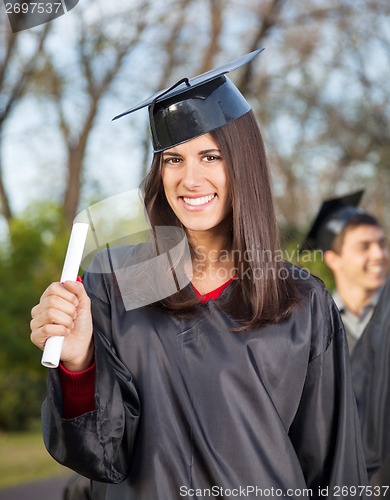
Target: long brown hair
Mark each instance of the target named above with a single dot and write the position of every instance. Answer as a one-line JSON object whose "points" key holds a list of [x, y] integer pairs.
{"points": [[265, 290]]}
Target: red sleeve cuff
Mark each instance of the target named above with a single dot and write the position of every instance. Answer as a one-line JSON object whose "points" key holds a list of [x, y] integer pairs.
{"points": [[78, 390]]}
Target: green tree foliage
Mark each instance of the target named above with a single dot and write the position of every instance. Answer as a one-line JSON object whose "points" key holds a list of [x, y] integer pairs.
{"points": [[312, 262], [30, 259]]}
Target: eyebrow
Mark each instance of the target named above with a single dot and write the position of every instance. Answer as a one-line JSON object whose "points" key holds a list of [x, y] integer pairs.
{"points": [[166, 153], [203, 152], [206, 151]]}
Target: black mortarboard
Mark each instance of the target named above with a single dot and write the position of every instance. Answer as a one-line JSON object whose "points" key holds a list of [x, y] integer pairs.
{"points": [[196, 106], [331, 219]]}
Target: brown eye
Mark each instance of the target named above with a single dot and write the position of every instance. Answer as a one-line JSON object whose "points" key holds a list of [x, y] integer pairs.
{"points": [[211, 158], [171, 160]]}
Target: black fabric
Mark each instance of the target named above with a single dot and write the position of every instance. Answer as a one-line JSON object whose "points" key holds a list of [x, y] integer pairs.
{"points": [[197, 112], [331, 219], [370, 362], [185, 405], [195, 106]]}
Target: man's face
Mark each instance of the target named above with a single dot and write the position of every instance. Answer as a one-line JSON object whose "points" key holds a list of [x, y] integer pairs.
{"points": [[363, 258]]}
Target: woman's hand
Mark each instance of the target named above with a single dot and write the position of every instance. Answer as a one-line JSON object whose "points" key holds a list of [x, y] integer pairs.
{"points": [[65, 310]]}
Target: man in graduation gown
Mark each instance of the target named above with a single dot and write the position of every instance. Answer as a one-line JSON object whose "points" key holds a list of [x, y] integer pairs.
{"points": [[370, 362], [355, 250]]}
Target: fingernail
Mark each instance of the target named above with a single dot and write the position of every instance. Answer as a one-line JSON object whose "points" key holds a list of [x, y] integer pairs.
{"points": [[79, 279]]}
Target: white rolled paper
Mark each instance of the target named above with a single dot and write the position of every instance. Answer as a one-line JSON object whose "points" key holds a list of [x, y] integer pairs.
{"points": [[52, 352]]}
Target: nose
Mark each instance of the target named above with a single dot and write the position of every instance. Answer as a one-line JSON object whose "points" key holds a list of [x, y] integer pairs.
{"points": [[192, 175]]}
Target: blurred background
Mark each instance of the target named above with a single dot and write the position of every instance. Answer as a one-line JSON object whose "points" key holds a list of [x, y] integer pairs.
{"points": [[320, 91]]}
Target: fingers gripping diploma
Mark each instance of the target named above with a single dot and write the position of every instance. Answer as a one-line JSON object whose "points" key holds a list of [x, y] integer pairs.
{"points": [[64, 312]]}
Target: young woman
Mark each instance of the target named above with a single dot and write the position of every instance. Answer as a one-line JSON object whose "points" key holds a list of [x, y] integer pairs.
{"points": [[238, 384]]}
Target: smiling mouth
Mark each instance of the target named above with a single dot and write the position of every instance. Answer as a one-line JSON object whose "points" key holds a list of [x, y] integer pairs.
{"points": [[376, 269], [196, 202]]}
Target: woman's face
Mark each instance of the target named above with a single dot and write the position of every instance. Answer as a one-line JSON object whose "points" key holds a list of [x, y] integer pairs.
{"points": [[196, 184]]}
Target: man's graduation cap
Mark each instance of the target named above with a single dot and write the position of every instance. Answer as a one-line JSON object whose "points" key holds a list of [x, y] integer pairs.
{"points": [[196, 106], [331, 219]]}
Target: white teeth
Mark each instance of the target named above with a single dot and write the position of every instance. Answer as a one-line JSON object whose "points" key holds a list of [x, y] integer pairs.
{"points": [[198, 201], [376, 269]]}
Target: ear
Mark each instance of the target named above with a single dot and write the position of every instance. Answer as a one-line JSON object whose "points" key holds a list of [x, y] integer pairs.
{"points": [[331, 259]]}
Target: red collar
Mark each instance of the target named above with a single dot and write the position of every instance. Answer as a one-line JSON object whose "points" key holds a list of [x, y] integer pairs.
{"points": [[214, 294]]}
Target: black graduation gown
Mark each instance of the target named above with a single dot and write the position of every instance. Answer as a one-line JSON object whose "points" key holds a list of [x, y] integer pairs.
{"points": [[370, 362], [185, 408]]}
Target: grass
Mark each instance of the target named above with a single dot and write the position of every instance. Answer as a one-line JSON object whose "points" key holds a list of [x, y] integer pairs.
{"points": [[23, 458]]}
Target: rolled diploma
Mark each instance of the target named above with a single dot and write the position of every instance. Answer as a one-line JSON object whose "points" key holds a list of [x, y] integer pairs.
{"points": [[52, 352]]}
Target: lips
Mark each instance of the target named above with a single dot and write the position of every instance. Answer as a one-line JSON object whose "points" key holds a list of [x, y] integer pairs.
{"points": [[201, 200], [376, 270]]}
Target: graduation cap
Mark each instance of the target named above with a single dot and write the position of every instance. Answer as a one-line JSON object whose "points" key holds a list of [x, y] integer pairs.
{"points": [[196, 106], [331, 219]]}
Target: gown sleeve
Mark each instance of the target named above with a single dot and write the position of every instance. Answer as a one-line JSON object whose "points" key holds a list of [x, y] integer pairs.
{"points": [[325, 431], [97, 444], [370, 362]]}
